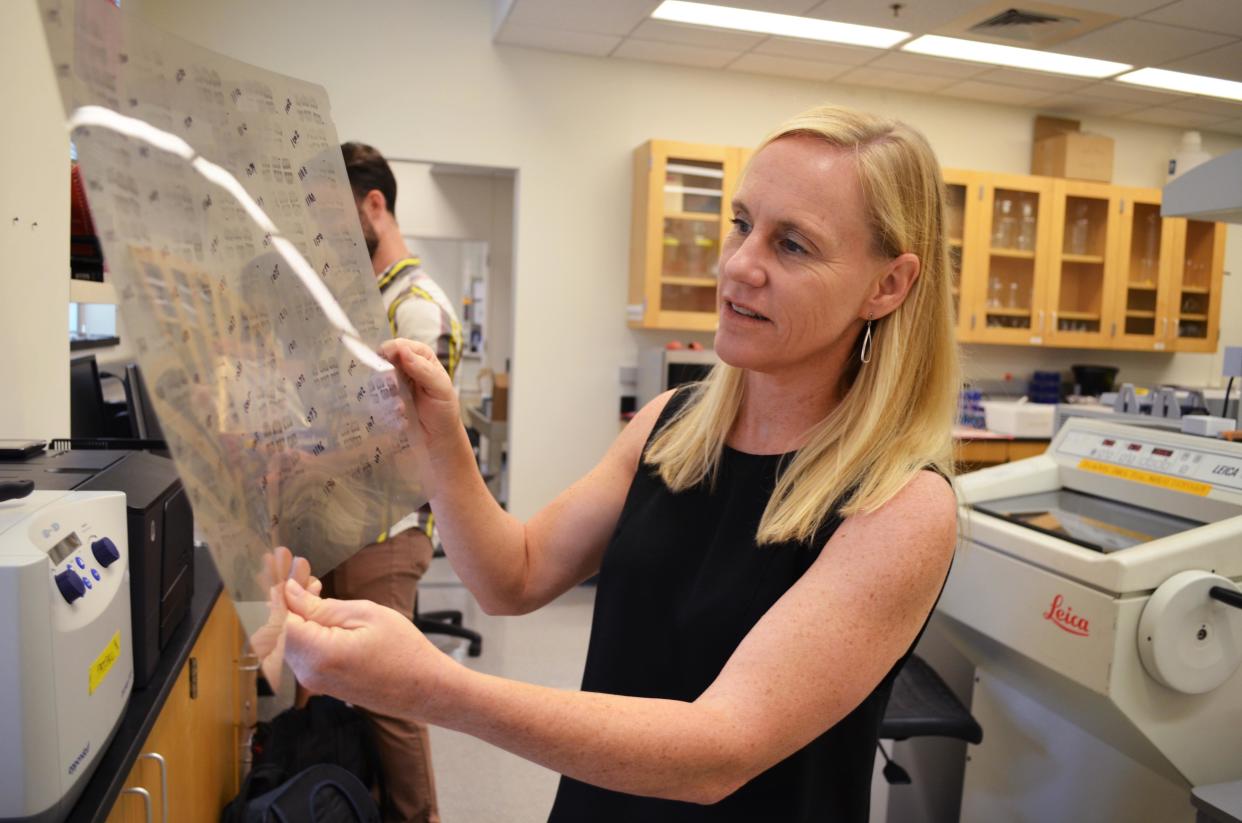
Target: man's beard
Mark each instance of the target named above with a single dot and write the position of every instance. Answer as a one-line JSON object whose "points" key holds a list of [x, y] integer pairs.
{"points": [[368, 234]]}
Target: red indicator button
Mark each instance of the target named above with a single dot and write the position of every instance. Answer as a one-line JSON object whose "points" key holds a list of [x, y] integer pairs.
{"points": [[1135, 447], [1162, 452], [1110, 442]]}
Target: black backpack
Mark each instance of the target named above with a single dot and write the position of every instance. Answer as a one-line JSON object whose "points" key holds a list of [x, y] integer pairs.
{"points": [[320, 794], [325, 732]]}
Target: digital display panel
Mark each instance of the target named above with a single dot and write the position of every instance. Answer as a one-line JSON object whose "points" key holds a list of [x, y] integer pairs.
{"points": [[64, 548]]}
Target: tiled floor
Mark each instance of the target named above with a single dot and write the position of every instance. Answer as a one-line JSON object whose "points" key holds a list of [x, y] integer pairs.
{"points": [[476, 782]]}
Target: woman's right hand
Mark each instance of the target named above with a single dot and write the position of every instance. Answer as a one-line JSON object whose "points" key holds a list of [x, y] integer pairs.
{"points": [[435, 401]]}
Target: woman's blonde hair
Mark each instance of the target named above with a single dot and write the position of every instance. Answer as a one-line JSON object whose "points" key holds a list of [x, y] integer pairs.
{"points": [[896, 413]]}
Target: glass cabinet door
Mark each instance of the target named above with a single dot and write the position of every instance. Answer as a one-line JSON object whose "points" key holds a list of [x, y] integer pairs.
{"points": [[1082, 263], [961, 218], [693, 192], [1146, 240], [1195, 303], [1015, 230]]}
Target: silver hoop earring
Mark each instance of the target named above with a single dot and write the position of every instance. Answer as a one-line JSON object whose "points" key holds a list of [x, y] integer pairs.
{"points": [[866, 344]]}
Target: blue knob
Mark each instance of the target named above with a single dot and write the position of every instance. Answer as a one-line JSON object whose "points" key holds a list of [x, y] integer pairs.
{"points": [[105, 551], [70, 585]]}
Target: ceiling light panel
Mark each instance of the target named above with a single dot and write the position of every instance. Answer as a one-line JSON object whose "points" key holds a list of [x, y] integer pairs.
{"points": [[1185, 83], [782, 25], [1013, 57]]}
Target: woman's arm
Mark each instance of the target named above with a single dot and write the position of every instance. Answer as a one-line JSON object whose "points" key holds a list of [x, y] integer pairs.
{"points": [[509, 566], [817, 653]]}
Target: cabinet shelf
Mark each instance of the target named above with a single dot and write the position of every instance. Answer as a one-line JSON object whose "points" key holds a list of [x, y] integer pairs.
{"points": [[1195, 290], [1093, 259], [706, 282], [999, 312], [1078, 315], [1132, 313], [701, 217], [1185, 316], [955, 242], [1017, 254], [1142, 285]]}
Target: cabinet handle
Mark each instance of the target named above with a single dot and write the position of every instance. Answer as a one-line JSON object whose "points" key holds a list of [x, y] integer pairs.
{"points": [[146, 798], [159, 758], [1164, 327], [1041, 321], [1113, 333]]}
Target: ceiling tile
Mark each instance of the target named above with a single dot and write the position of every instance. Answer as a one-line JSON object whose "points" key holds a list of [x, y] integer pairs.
{"points": [[696, 35], [788, 66], [1209, 105], [674, 53], [812, 50], [1142, 44], [1121, 8], [1127, 93], [1224, 62], [576, 42], [917, 18], [617, 17], [903, 81], [795, 7], [920, 64], [1033, 80], [1229, 126], [994, 93], [1206, 15], [1175, 117], [1081, 104]]}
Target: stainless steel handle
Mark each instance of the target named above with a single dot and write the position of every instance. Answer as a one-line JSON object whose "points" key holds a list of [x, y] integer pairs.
{"points": [[1164, 327], [159, 758], [1041, 321], [146, 798]]}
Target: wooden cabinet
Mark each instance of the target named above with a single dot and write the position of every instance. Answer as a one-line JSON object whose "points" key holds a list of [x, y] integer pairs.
{"points": [[1036, 261], [190, 761], [1051, 262], [681, 214]]}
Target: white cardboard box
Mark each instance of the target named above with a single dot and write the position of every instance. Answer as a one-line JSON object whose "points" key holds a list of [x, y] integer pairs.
{"points": [[1019, 419]]}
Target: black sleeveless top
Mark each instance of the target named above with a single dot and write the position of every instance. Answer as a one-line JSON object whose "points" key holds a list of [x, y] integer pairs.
{"points": [[681, 583]]}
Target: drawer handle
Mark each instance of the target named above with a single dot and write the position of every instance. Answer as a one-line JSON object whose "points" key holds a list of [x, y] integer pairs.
{"points": [[146, 798], [159, 758]]}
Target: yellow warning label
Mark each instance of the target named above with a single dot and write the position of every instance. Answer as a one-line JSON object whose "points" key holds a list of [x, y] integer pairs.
{"points": [[1164, 481], [103, 663]]}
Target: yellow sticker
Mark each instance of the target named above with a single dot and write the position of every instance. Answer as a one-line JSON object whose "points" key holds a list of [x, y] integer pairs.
{"points": [[103, 663], [1164, 481]]}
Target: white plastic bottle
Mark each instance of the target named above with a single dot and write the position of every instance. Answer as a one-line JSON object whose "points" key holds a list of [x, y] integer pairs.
{"points": [[1189, 154]]}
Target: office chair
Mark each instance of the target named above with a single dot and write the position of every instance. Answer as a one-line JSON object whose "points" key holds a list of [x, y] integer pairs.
{"points": [[90, 416], [923, 705], [447, 622]]}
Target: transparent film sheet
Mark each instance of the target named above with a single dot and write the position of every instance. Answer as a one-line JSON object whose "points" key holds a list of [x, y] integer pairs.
{"points": [[219, 195]]}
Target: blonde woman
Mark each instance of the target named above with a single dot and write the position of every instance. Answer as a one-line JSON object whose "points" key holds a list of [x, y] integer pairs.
{"points": [[770, 543]]}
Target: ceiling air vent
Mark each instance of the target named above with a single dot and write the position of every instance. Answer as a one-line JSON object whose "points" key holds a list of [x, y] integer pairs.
{"points": [[1033, 24]]}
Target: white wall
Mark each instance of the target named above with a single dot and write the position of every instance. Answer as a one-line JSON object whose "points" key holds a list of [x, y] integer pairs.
{"points": [[34, 234], [422, 79]]}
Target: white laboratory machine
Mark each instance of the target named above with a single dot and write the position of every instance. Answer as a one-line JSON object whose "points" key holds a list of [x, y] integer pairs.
{"points": [[1092, 594], [66, 664]]}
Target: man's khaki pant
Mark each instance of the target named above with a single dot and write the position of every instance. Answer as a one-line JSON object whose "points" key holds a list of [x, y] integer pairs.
{"points": [[388, 573]]}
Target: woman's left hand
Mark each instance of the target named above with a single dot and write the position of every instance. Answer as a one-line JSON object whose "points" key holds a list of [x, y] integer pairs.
{"points": [[364, 654]]}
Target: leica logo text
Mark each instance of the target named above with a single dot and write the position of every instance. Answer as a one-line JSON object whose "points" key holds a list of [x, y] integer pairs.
{"points": [[1064, 618]]}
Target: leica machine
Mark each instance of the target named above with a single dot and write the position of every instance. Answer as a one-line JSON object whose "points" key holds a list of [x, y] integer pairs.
{"points": [[1096, 592]]}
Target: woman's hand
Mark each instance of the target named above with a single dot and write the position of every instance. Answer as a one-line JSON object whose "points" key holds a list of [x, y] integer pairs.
{"points": [[365, 654], [268, 642], [435, 401]]}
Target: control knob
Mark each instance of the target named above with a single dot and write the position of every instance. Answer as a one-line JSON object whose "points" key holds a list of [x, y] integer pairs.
{"points": [[105, 551], [70, 585]]}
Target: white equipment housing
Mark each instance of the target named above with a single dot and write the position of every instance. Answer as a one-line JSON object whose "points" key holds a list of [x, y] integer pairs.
{"points": [[65, 643], [1107, 679]]}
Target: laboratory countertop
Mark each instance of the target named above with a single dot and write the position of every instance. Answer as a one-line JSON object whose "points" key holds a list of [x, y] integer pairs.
{"points": [[145, 704]]}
